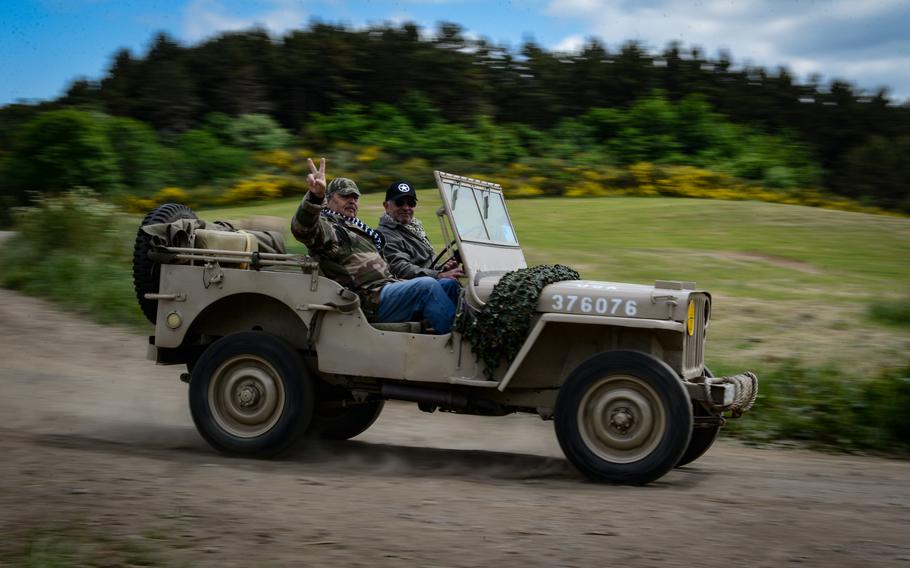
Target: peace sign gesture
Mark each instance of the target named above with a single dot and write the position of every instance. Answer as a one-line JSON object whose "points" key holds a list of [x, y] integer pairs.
{"points": [[316, 179]]}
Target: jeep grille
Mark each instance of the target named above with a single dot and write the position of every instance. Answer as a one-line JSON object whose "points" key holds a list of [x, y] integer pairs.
{"points": [[695, 343]]}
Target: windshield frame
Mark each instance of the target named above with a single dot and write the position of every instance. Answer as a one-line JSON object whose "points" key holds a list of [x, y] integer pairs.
{"points": [[476, 188], [485, 260]]}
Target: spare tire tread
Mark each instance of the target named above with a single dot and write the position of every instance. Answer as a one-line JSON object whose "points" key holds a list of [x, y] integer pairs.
{"points": [[146, 272]]}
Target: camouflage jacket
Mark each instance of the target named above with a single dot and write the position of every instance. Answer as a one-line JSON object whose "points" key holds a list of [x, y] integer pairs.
{"points": [[345, 253], [408, 255]]}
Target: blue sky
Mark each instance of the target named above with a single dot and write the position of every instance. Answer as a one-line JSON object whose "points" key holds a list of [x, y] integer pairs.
{"points": [[45, 44]]}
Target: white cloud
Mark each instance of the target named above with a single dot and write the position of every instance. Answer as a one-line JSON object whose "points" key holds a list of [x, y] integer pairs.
{"points": [[570, 44], [864, 9], [574, 7], [861, 41], [203, 18]]}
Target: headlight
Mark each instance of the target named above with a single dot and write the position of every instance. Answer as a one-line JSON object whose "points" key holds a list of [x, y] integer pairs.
{"points": [[690, 318]]}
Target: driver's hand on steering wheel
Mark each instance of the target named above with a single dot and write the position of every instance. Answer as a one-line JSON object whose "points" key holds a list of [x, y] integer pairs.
{"points": [[454, 273], [449, 265]]}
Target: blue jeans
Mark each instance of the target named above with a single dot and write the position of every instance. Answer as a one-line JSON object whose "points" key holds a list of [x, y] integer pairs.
{"points": [[420, 298]]}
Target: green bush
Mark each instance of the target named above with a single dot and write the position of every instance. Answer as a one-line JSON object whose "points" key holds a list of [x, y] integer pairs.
{"points": [[826, 408], [75, 250], [257, 132], [61, 149], [143, 163], [75, 221], [891, 312], [204, 159]]}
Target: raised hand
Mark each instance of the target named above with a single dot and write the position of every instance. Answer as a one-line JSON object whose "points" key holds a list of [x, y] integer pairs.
{"points": [[316, 177]]}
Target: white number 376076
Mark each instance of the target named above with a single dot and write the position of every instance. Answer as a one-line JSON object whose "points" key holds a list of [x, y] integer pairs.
{"points": [[589, 305]]}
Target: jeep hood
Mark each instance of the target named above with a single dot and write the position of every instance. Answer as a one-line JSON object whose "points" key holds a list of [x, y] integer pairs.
{"points": [[666, 300]]}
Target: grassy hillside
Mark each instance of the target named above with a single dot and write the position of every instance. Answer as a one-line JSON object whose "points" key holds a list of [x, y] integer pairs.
{"points": [[788, 281], [816, 301]]}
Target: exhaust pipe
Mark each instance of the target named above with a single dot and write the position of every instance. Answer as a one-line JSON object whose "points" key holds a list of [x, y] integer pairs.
{"points": [[443, 399]]}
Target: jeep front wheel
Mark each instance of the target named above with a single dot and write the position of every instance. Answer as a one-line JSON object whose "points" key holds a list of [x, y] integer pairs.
{"points": [[623, 417], [703, 437], [251, 395]]}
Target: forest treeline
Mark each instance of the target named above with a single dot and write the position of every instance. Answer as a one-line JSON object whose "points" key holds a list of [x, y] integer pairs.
{"points": [[388, 97]]}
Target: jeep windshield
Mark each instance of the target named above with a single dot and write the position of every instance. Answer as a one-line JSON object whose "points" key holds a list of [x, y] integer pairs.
{"points": [[479, 212], [483, 231]]}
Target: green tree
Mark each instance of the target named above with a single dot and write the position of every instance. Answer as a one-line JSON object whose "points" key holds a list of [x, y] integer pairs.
{"points": [[141, 159], [205, 160], [166, 96], [257, 132], [232, 72], [878, 171], [61, 149]]}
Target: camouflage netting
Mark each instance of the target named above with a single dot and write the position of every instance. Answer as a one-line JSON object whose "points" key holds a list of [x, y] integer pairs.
{"points": [[498, 331]]}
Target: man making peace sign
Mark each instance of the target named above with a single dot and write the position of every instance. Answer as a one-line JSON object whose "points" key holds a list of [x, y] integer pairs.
{"points": [[349, 252]]}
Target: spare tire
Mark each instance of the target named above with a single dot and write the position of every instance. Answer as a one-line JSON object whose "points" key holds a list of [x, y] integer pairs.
{"points": [[146, 272]]}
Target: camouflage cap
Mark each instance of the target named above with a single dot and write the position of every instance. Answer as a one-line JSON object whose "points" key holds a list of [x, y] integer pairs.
{"points": [[342, 186]]}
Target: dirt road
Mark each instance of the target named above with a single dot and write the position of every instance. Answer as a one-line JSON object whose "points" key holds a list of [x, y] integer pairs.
{"points": [[97, 450]]}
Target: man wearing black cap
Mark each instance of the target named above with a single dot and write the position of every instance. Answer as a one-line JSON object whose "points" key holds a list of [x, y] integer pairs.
{"points": [[407, 248]]}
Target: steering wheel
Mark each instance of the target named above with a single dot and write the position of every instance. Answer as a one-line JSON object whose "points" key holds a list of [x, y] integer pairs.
{"points": [[449, 249]]}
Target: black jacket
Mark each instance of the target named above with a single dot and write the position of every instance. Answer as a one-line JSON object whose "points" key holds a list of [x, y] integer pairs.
{"points": [[408, 255]]}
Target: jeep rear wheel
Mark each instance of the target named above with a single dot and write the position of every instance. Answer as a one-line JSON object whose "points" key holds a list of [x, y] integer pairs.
{"points": [[251, 395], [623, 417], [331, 422]]}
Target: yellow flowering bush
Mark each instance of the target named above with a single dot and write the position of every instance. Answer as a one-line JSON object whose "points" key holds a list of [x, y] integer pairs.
{"points": [[172, 195], [282, 173], [262, 187], [137, 204], [289, 162], [369, 154]]}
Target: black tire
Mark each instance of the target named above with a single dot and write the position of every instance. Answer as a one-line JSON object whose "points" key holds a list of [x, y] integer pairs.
{"points": [[344, 423], [701, 441], [702, 438], [623, 417], [146, 272], [251, 395]]}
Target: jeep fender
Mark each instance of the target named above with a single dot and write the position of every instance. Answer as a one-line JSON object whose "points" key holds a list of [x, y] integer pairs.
{"points": [[223, 300], [558, 342]]}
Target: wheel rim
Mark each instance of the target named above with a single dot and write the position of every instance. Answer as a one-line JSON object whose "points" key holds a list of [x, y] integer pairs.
{"points": [[621, 419], [246, 396]]}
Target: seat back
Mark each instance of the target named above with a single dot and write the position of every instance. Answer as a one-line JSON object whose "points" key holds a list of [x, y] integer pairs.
{"points": [[400, 327]]}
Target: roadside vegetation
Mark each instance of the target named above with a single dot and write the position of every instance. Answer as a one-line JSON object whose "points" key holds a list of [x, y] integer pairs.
{"points": [[66, 547], [894, 312], [805, 297], [830, 408], [76, 250]]}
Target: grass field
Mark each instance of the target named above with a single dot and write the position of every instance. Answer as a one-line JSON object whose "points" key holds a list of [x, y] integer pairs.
{"points": [[816, 301], [788, 282]]}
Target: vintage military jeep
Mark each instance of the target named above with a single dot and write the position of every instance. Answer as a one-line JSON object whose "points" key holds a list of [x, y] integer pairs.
{"points": [[277, 353]]}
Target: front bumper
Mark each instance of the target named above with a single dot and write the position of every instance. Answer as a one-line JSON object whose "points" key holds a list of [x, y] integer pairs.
{"points": [[735, 393]]}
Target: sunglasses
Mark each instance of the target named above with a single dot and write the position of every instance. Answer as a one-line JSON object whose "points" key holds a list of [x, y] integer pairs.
{"points": [[400, 202]]}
